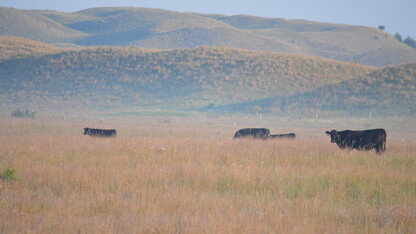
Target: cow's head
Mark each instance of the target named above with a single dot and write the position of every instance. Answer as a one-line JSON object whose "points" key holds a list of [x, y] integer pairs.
{"points": [[335, 137], [86, 131]]}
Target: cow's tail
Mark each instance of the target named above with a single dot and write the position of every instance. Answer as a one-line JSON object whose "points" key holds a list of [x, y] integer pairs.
{"points": [[382, 145]]}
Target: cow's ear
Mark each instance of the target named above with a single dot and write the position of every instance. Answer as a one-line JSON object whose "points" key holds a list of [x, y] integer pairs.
{"points": [[328, 133]]}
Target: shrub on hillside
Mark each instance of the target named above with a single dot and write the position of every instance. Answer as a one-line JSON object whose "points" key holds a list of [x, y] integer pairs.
{"points": [[23, 113], [8, 175]]}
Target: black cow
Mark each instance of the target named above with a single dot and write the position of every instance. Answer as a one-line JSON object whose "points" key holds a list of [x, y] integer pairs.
{"points": [[360, 140], [256, 133], [100, 132], [287, 136]]}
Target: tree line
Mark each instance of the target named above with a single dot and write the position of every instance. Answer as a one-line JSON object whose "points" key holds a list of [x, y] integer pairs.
{"points": [[408, 40]]}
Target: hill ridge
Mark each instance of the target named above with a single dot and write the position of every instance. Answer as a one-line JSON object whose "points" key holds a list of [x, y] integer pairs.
{"points": [[163, 29], [217, 80], [389, 91], [186, 78]]}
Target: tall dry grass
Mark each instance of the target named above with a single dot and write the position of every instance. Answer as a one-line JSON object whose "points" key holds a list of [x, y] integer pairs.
{"points": [[188, 177]]}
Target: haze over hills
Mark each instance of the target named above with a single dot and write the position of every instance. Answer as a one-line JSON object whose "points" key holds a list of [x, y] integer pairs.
{"points": [[390, 91], [208, 79], [162, 29]]}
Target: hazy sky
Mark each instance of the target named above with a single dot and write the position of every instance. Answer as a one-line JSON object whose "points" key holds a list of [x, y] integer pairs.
{"points": [[395, 15]]}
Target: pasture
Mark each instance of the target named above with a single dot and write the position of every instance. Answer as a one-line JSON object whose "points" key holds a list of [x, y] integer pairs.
{"points": [[187, 175]]}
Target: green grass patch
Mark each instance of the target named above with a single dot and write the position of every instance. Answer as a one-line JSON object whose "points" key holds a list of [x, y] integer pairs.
{"points": [[8, 175]]}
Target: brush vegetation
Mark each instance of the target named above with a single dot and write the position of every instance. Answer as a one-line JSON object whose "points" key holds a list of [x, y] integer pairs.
{"points": [[189, 177], [162, 29], [132, 75], [210, 79], [17, 47], [8, 175], [388, 91]]}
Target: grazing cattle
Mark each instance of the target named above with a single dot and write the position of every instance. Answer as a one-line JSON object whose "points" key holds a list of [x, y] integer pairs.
{"points": [[286, 136], [360, 140], [256, 133], [100, 132]]}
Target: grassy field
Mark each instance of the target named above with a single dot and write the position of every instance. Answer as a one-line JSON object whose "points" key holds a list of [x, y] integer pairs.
{"points": [[186, 175]]}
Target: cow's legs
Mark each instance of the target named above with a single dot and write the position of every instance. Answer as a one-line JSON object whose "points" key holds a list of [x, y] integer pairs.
{"points": [[379, 149]]}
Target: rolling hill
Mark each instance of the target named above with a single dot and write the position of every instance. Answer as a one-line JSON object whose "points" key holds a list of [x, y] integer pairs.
{"points": [[162, 29], [208, 79], [14, 47], [120, 76], [35, 26], [390, 91]]}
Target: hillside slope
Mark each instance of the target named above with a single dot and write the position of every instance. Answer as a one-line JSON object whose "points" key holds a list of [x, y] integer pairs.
{"points": [[162, 29], [386, 92], [35, 26], [14, 47], [118, 76]]}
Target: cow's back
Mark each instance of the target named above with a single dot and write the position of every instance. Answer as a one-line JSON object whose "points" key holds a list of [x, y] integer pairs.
{"points": [[287, 136], [378, 135], [256, 133], [367, 139], [100, 132]]}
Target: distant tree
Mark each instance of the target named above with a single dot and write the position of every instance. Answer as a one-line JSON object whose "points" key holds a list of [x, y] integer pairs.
{"points": [[398, 37], [381, 27], [209, 106], [410, 42]]}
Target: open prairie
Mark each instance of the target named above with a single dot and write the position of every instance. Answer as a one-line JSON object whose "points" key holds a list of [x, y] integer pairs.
{"points": [[187, 175]]}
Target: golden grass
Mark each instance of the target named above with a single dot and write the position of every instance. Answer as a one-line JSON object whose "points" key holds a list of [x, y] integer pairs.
{"points": [[192, 178]]}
